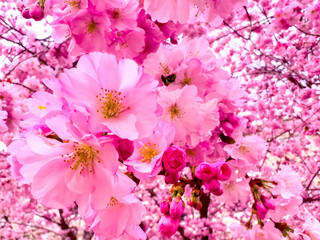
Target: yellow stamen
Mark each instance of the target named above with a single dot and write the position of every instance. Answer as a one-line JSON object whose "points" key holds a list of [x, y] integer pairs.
{"points": [[73, 3], [112, 103], [175, 111], [116, 13], [165, 68], [113, 202], [83, 157], [92, 26], [186, 80], [243, 149], [148, 151], [42, 107]]}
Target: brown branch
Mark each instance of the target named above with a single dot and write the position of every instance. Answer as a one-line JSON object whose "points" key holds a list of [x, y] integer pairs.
{"points": [[64, 226], [313, 177]]}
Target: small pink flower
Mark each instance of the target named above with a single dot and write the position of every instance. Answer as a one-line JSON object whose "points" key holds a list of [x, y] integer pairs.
{"points": [[174, 159], [122, 213], [146, 158], [87, 27]]}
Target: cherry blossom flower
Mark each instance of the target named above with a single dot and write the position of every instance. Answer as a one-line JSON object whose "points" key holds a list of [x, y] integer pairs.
{"points": [[120, 98]]}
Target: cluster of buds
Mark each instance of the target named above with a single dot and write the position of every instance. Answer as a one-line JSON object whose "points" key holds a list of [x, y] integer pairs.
{"points": [[174, 161], [211, 174], [262, 204], [169, 222], [205, 174], [34, 11]]}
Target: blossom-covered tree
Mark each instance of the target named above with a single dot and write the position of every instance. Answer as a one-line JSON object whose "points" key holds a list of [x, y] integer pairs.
{"points": [[133, 119]]}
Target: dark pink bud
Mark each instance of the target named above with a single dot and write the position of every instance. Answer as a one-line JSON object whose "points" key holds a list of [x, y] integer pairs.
{"points": [[26, 13], [176, 207], [174, 39], [227, 127], [164, 207], [168, 226], [224, 171], [212, 185], [261, 210], [205, 171], [268, 203], [218, 192], [125, 149], [233, 120], [174, 159], [36, 12], [172, 178]]}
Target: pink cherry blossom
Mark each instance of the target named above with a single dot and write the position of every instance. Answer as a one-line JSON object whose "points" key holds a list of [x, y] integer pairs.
{"points": [[124, 103]]}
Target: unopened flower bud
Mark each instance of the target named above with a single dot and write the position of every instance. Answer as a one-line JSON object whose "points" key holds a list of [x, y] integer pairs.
{"points": [[176, 207], [268, 203], [168, 226], [224, 171], [228, 128], [26, 13], [205, 171], [234, 120], [172, 178], [261, 210], [174, 159], [164, 207], [36, 12]]}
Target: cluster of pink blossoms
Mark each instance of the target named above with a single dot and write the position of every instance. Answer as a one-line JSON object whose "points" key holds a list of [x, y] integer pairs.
{"points": [[108, 123], [119, 27]]}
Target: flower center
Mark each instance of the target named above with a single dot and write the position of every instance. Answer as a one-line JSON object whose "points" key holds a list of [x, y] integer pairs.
{"points": [[116, 13], [113, 202], [165, 68], [82, 158], [112, 103], [186, 80], [243, 149], [148, 151], [191, 152], [92, 26], [73, 3], [175, 111]]}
